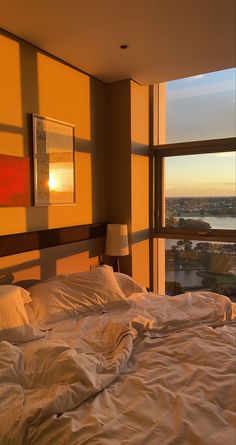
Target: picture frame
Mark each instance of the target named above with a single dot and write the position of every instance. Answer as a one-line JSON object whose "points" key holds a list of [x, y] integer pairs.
{"points": [[54, 171]]}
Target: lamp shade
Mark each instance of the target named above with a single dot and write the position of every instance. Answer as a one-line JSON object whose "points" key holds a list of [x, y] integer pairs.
{"points": [[117, 240]]}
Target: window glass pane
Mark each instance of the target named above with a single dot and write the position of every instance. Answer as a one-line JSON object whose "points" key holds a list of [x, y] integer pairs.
{"points": [[198, 108], [198, 265], [200, 191]]}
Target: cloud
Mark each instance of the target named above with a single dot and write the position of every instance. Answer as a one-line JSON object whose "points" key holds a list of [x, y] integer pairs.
{"points": [[188, 91], [226, 154], [198, 76]]}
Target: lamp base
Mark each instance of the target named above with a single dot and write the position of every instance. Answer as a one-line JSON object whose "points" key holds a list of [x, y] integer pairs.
{"points": [[116, 264]]}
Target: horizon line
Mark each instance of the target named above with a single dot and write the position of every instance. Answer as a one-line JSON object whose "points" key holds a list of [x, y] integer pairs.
{"points": [[203, 196]]}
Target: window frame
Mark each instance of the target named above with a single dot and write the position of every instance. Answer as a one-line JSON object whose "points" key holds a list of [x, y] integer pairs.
{"points": [[179, 149]]}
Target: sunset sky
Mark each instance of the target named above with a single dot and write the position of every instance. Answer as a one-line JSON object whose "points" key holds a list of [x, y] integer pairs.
{"points": [[199, 108], [201, 175]]}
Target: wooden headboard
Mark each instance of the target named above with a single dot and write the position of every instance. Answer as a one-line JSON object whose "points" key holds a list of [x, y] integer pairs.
{"points": [[24, 242], [26, 258]]}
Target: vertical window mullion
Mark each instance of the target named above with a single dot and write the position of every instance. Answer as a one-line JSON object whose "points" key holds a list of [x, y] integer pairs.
{"points": [[159, 192]]}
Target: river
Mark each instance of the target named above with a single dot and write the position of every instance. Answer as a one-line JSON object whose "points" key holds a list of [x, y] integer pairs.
{"points": [[217, 222]]}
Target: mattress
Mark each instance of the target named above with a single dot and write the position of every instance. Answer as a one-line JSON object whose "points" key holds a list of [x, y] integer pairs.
{"points": [[160, 370]]}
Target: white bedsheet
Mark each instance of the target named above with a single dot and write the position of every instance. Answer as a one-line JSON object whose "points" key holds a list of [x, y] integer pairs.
{"points": [[161, 372]]}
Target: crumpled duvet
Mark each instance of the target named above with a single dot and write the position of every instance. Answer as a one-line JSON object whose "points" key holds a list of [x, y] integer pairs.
{"points": [[160, 372]]}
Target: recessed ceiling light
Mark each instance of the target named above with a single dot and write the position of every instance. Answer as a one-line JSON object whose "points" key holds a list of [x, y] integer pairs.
{"points": [[123, 46]]}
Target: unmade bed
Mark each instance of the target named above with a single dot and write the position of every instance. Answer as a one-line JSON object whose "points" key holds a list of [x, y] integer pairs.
{"points": [[98, 360]]}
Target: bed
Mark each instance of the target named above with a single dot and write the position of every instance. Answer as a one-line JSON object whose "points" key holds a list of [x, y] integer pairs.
{"points": [[93, 358]]}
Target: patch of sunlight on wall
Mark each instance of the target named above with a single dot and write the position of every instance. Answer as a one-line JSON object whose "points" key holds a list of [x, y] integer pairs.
{"points": [[140, 192], [11, 143], [140, 262], [64, 94], [19, 259], [162, 113], [29, 273], [10, 83], [81, 213], [139, 114], [13, 220], [75, 263], [84, 186], [155, 114]]}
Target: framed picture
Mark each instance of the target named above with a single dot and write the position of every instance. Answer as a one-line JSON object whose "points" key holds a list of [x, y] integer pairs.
{"points": [[53, 143]]}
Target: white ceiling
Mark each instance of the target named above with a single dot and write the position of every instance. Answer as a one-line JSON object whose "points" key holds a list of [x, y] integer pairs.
{"points": [[167, 39]]}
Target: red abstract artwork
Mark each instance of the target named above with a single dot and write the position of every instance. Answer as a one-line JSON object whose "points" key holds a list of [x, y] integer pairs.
{"points": [[14, 181]]}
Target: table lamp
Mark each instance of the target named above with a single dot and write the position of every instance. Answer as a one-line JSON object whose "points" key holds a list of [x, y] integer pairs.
{"points": [[117, 243]]}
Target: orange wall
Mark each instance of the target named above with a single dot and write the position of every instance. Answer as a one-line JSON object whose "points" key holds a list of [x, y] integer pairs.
{"points": [[33, 82], [112, 145], [162, 113], [140, 151]]}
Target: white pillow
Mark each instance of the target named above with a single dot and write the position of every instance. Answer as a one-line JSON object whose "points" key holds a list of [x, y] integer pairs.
{"points": [[128, 285], [19, 292], [77, 294], [14, 323]]}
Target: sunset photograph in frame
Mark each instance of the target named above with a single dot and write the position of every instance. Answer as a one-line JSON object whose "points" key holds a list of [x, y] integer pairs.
{"points": [[53, 143]]}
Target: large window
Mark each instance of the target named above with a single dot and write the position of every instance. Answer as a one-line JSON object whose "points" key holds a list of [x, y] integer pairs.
{"points": [[199, 107], [195, 183]]}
